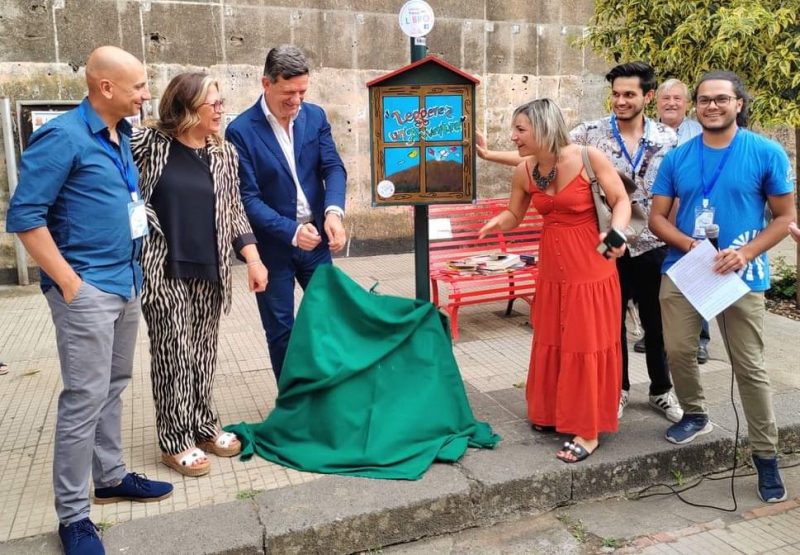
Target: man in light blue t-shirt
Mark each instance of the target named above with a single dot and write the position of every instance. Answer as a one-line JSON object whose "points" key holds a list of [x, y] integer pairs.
{"points": [[724, 176]]}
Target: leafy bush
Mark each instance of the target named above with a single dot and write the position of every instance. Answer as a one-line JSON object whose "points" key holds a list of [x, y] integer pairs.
{"points": [[784, 280]]}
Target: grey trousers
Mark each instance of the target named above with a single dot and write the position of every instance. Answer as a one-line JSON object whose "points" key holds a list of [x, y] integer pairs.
{"points": [[742, 327], [96, 337]]}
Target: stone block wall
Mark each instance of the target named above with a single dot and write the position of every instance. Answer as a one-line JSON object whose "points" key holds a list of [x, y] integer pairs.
{"points": [[519, 49]]}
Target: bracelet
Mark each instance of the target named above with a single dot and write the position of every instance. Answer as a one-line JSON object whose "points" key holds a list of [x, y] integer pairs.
{"points": [[254, 262]]}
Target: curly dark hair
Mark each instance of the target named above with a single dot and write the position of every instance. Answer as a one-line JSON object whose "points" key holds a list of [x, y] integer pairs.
{"points": [[738, 88]]}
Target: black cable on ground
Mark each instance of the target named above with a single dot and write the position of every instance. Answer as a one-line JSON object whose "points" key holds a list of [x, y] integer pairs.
{"points": [[709, 475], [673, 491]]}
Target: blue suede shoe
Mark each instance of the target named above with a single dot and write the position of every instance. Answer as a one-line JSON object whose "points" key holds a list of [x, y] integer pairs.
{"points": [[689, 427], [770, 485], [133, 487], [80, 538]]}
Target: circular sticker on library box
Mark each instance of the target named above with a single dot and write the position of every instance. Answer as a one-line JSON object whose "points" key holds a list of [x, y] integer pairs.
{"points": [[386, 189], [416, 18]]}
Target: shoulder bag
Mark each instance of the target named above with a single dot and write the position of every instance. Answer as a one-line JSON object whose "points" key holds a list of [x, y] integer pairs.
{"points": [[638, 216]]}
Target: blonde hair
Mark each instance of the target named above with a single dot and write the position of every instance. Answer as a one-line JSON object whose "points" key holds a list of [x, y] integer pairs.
{"points": [[177, 111], [547, 122]]}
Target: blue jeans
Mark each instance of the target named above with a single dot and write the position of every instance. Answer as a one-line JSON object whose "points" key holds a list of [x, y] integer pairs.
{"points": [[276, 304], [705, 337]]}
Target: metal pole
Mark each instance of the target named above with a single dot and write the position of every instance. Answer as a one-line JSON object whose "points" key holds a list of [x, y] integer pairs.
{"points": [[11, 169], [152, 111], [421, 240]]}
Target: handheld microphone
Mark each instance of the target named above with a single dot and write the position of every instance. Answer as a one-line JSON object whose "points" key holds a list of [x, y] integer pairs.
{"points": [[712, 234]]}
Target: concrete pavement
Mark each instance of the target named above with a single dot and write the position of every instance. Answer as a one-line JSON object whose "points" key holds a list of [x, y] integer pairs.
{"points": [[258, 506], [655, 525]]}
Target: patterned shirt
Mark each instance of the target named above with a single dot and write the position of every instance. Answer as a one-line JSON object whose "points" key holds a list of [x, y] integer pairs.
{"points": [[658, 139]]}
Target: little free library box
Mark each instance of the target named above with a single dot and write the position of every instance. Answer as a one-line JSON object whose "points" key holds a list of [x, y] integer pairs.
{"points": [[422, 130]]}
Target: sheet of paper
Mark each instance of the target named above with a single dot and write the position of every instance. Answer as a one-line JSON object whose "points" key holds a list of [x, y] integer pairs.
{"points": [[709, 292], [439, 228]]}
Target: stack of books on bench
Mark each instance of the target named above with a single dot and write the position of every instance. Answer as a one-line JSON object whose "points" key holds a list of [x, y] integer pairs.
{"points": [[487, 263]]}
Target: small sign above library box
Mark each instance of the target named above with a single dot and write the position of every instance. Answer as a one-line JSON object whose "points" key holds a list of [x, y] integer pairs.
{"points": [[422, 131]]}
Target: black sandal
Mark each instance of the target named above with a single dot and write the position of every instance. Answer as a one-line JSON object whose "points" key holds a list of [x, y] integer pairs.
{"points": [[578, 451], [543, 429]]}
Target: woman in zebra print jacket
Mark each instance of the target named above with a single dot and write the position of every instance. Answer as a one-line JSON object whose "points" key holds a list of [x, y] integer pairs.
{"points": [[189, 182]]}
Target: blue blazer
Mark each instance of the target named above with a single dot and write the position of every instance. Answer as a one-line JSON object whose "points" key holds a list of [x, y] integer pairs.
{"points": [[268, 191]]}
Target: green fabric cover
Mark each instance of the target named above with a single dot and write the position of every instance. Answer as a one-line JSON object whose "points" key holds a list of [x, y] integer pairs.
{"points": [[370, 387]]}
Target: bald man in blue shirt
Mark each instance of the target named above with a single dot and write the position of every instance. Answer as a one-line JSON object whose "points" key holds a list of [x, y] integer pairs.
{"points": [[78, 214]]}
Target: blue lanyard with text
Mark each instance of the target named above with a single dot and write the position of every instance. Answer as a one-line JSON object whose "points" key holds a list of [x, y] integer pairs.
{"points": [[710, 185], [128, 176], [634, 162]]}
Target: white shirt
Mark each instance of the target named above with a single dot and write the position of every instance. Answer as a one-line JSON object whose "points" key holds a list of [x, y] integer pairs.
{"points": [[286, 141]]}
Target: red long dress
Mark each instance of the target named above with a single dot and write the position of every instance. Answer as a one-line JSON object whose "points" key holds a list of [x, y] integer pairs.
{"points": [[575, 371]]}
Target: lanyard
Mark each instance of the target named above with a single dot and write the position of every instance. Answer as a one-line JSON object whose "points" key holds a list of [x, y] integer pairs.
{"points": [[710, 185], [128, 176], [634, 162]]}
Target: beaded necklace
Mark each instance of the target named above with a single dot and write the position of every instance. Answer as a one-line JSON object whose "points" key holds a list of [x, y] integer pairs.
{"points": [[543, 182]]}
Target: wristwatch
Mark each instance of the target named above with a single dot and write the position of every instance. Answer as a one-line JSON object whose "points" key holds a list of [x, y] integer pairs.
{"points": [[336, 211]]}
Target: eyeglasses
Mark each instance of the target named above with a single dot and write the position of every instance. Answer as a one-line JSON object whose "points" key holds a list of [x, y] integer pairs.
{"points": [[217, 106], [720, 101]]}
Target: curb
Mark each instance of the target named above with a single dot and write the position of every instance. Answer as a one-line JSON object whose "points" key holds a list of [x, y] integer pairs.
{"points": [[337, 514]]}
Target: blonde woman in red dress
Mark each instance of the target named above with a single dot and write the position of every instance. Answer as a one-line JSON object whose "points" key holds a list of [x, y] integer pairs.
{"points": [[574, 376]]}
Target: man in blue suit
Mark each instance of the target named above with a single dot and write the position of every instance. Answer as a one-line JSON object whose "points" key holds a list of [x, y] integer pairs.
{"points": [[293, 188]]}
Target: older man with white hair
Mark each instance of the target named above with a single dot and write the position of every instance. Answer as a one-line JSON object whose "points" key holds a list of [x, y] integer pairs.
{"points": [[672, 102]]}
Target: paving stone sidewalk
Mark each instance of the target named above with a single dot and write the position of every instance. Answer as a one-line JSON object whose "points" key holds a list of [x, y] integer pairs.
{"points": [[493, 356], [652, 526]]}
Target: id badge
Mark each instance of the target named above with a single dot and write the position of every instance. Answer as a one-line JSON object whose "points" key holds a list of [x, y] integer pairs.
{"points": [[137, 217], [703, 216]]}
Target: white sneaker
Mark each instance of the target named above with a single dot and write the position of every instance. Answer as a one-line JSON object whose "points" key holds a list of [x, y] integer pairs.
{"points": [[667, 404], [623, 402]]}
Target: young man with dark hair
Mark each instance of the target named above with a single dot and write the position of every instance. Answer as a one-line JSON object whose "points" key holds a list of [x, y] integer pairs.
{"points": [[636, 145], [725, 176]]}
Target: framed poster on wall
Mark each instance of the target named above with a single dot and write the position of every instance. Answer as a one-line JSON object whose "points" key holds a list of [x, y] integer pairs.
{"points": [[32, 114]]}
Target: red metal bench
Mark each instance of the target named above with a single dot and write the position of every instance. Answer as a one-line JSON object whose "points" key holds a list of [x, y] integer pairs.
{"points": [[471, 288]]}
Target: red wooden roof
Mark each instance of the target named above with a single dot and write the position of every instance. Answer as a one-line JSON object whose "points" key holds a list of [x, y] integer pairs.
{"points": [[423, 61]]}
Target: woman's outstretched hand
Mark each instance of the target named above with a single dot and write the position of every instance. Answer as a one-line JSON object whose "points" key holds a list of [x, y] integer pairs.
{"points": [[794, 231], [492, 226]]}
